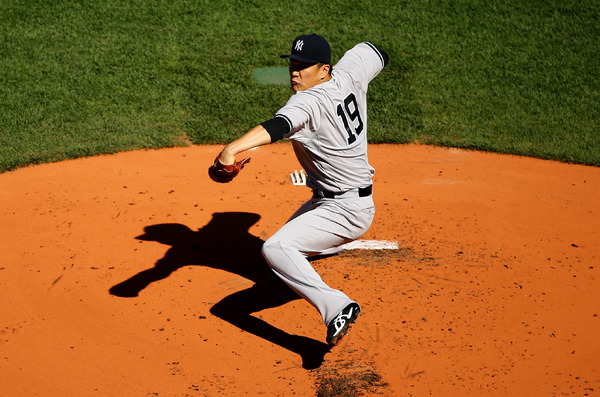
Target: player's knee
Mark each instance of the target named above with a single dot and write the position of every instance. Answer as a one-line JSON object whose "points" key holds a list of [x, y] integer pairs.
{"points": [[270, 250], [277, 253]]}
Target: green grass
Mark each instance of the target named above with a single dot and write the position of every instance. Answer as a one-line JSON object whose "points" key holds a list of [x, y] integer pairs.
{"points": [[79, 78]]}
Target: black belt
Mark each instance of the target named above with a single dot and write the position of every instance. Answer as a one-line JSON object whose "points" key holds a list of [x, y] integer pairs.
{"points": [[362, 192]]}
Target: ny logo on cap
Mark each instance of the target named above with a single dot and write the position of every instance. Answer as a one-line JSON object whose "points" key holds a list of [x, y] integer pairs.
{"points": [[299, 45]]}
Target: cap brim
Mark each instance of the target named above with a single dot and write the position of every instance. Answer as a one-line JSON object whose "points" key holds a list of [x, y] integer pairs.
{"points": [[300, 58]]}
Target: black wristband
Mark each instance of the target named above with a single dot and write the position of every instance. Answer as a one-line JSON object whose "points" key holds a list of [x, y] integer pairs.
{"points": [[276, 127]]}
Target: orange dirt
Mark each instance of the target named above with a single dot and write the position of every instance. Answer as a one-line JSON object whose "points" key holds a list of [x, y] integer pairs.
{"points": [[134, 274]]}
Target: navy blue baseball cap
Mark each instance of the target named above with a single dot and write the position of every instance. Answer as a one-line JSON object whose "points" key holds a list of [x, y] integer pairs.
{"points": [[310, 48]]}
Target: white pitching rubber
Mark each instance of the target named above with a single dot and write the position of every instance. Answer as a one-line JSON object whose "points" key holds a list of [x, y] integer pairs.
{"points": [[371, 245]]}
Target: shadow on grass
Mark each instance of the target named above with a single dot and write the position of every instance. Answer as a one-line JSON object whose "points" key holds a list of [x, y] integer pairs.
{"points": [[224, 243]]}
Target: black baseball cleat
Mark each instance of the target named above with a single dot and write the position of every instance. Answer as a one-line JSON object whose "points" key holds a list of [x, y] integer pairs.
{"points": [[338, 327]]}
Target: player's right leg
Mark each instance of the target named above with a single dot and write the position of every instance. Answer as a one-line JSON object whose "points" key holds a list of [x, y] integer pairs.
{"points": [[320, 226]]}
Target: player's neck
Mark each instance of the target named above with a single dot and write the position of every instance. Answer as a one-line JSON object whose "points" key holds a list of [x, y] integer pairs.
{"points": [[325, 79]]}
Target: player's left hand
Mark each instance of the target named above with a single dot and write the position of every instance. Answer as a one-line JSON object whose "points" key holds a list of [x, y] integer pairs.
{"points": [[224, 173]]}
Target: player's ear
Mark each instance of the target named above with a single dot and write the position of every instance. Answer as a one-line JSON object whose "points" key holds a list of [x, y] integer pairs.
{"points": [[325, 69]]}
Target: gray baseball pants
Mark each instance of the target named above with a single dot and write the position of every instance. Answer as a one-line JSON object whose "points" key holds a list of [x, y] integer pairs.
{"points": [[319, 227]]}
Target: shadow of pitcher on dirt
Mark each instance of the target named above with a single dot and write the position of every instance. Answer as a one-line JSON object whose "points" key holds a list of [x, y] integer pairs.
{"points": [[225, 243]]}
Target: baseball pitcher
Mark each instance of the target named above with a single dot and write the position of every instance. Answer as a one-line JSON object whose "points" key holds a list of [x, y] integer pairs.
{"points": [[326, 120]]}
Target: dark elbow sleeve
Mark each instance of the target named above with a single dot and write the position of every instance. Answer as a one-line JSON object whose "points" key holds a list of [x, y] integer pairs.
{"points": [[386, 57], [276, 127]]}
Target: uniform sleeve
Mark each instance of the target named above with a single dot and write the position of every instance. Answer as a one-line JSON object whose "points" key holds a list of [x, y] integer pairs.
{"points": [[384, 56], [301, 112], [364, 61]]}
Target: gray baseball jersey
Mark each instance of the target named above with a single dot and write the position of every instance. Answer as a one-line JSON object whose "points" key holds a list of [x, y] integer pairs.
{"points": [[328, 123]]}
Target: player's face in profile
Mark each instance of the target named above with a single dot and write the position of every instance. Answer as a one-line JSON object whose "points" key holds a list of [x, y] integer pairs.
{"points": [[306, 75]]}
